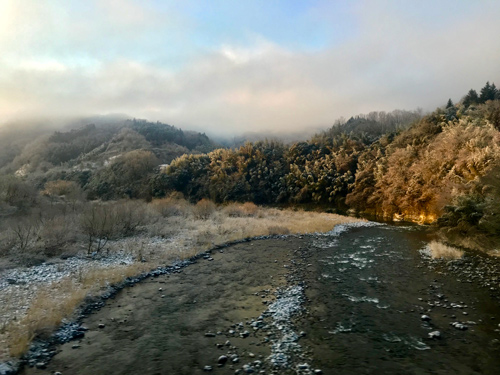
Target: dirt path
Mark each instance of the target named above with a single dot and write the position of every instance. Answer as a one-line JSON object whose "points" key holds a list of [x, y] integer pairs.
{"points": [[162, 325]]}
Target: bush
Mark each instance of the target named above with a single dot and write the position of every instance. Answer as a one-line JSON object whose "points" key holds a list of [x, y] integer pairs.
{"points": [[129, 216], [55, 233], [247, 209], [171, 206], [98, 223], [278, 230], [440, 250], [204, 209]]}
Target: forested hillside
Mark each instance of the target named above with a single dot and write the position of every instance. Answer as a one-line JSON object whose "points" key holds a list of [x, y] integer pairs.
{"points": [[106, 161], [439, 168], [443, 167]]}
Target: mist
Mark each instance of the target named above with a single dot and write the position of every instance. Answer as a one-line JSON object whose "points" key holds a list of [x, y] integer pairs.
{"points": [[165, 64]]}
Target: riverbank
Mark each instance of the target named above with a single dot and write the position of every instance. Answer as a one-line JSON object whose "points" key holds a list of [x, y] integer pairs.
{"points": [[362, 300], [35, 300]]}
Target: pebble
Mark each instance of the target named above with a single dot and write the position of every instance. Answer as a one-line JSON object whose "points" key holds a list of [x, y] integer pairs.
{"points": [[244, 334], [425, 318], [101, 325], [222, 360], [435, 335], [207, 368], [209, 334]]}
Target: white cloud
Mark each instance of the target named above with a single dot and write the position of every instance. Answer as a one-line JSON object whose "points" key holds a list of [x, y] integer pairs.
{"points": [[395, 60]]}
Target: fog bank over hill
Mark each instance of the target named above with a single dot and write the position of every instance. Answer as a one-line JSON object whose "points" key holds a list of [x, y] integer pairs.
{"points": [[222, 69]]}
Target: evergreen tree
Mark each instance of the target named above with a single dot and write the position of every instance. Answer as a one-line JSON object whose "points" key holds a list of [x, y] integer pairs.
{"points": [[488, 92], [449, 104], [471, 98]]}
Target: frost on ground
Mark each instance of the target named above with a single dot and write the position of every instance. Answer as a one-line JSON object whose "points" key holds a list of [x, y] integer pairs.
{"points": [[285, 350]]}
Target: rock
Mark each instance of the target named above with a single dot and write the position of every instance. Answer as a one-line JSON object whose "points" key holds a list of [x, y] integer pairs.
{"points": [[207, 368], [222, 360], [209, 334], [57, 373], [318, 371], [75, 346], [235, 360], [425, 318], [435, 335], [8, 368], [245, 334], [303, 366], [251, 355], [248, 369], [41, 365], [101, 325], [459, 326]]}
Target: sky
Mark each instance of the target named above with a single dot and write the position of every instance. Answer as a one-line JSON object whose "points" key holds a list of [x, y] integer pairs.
{"points": [[230, 67]]}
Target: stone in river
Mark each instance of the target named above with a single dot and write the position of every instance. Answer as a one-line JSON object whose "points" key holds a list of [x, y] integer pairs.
{"points": [[222, 359], [435, 335]]}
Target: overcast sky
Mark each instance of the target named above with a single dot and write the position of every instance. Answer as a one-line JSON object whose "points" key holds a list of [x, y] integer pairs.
{"points": [[237, 66]]}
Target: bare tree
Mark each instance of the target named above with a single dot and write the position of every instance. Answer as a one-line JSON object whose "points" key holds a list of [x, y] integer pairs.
{"points": [[98, 224]]}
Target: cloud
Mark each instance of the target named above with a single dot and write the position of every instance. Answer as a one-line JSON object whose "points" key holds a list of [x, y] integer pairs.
{"points": [[395, 58]]}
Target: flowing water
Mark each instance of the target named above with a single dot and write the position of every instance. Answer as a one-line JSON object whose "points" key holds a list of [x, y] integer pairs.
{"points": [[360, 300], [372, 289]]}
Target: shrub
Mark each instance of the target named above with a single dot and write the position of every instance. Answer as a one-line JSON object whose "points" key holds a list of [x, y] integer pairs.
{"points": [[55, 233], [247, 209], [204, 209], [233, 210], [440, 250], [98, 223], [278, 230], [129, 216], [25, 233], [250, 208], [171, 206]]}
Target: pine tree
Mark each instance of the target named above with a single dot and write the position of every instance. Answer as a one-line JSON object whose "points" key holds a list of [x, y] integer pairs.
{"points": [[449, 104], [488, 92], [471, 98]]}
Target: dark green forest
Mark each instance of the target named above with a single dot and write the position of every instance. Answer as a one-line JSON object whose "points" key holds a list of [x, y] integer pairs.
{"points": [[441, 168]]}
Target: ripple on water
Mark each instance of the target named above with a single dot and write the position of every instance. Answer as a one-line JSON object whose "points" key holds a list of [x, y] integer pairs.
{"points": [[409, 341], [361, 299]]}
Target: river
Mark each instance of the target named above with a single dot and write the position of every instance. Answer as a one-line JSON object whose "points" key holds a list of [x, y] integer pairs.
{"points": [[360, 300]]}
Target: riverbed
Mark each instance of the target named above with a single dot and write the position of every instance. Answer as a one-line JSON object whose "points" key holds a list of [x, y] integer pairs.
{"points": [[363, 299]]}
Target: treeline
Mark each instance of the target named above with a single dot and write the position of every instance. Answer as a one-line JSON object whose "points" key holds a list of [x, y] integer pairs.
{"points": [[319, 171], [443, 168]]}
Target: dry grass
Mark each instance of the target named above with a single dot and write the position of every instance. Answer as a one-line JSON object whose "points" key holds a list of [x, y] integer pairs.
{"points": [[183, 231], [442, 251]]}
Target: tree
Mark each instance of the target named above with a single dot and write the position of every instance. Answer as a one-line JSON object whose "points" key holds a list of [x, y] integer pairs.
{"points": [[471, 98], [488, 92], [98, 224]]}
